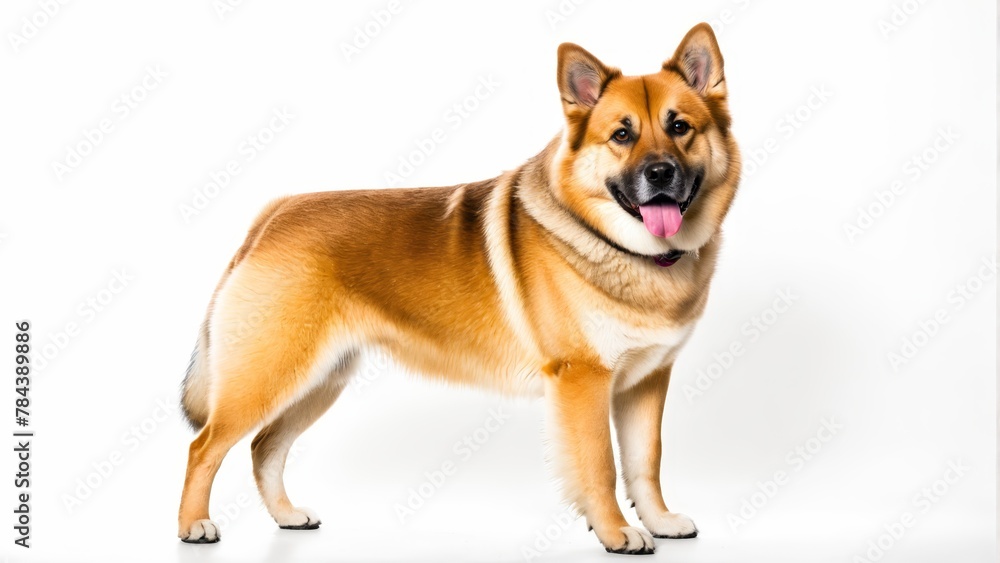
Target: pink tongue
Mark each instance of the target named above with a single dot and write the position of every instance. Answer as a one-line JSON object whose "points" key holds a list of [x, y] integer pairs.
{"points": [[661, 220]]}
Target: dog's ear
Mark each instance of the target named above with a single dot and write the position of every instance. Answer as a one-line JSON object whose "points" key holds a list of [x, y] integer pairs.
{"points": [[699, 61], [581, 78]]}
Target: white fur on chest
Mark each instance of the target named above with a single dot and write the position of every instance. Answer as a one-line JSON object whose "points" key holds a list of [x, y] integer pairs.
{"points": [[632, 351]]}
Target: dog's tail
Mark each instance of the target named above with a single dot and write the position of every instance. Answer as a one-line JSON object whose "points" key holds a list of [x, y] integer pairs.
{"points": [[194, 397]]}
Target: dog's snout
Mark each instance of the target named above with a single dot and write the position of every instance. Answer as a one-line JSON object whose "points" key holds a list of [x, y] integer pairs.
{"points": [[660, 174]]}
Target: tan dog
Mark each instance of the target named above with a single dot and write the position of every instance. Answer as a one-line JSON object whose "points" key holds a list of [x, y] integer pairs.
{"points": [[578, 276]]}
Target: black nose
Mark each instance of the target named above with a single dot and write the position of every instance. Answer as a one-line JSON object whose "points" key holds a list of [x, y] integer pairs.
{"points": [[660, 174]]}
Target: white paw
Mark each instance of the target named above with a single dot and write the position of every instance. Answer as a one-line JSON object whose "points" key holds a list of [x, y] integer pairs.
{"points": [[670, 525], [201, 531], [298, 519], [630, 540]]}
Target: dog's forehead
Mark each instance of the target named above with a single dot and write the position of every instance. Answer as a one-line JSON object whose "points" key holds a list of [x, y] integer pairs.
{"points": [[652, 95], [626, 93]]}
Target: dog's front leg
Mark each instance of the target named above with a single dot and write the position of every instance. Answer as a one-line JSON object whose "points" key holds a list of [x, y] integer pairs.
{"points": [[638, 414], [578, 395]]}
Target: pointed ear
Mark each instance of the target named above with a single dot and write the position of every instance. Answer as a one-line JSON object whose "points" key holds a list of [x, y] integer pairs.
{"points": [[699, 60], [581, 78]]}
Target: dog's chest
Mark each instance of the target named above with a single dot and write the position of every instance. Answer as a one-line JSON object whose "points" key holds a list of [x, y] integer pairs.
{"points": [[633, 347]]}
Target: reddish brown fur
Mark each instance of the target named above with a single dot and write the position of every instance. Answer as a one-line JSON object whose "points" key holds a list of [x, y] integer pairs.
{"points": [[485, 284]]}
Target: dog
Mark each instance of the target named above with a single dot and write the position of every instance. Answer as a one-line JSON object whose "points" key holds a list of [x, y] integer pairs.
{"points": [[576, 277]]}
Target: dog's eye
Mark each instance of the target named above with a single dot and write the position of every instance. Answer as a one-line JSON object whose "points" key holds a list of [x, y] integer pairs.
{"points": [[680, 127], [621, 136]]}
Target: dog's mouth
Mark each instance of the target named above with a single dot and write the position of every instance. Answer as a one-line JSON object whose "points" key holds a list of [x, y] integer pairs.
{"points": [[661, 215], [684, 205], [627, 205]]}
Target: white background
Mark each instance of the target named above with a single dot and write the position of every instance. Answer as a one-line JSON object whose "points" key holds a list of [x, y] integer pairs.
{"points": [[889, 92]]}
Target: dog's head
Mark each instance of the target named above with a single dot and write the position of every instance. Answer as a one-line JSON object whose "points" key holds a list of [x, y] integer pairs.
{"points": [[648, 161]]}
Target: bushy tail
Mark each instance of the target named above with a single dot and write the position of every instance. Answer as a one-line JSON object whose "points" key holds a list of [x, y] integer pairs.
{"points": [[194, 397]]}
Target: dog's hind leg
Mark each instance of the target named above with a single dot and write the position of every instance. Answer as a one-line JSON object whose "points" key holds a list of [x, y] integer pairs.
{"points": [[271, 446], [268, 329], [226, 426], [638, 414]]}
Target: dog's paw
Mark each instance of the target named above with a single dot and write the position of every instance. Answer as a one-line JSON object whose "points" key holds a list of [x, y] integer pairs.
{"points": [[670, 525], [201, 531], [298, 519], [629, 540]]}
